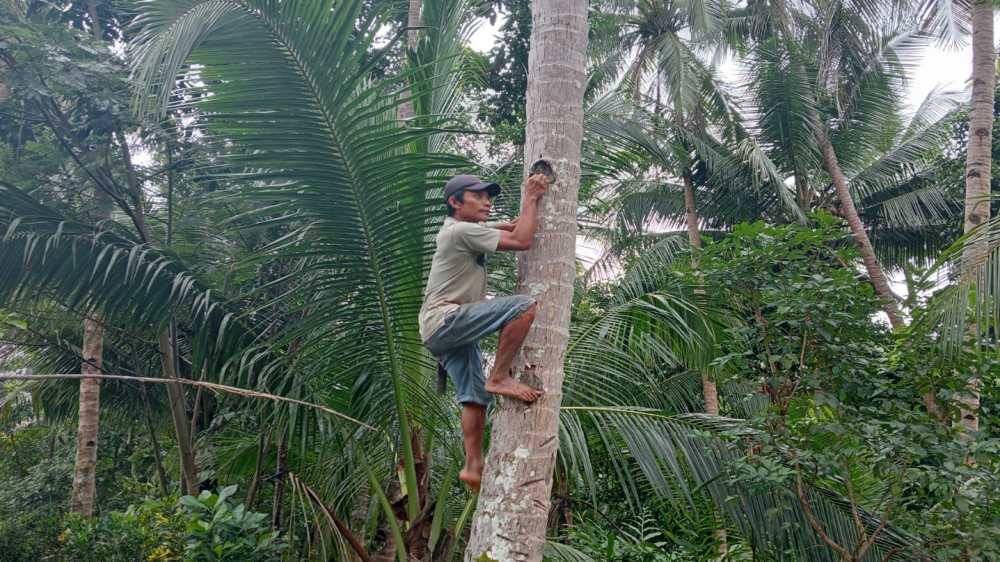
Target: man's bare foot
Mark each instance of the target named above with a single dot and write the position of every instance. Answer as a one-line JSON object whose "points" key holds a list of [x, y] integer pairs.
{"points": [[510, 387], [471, 477]]}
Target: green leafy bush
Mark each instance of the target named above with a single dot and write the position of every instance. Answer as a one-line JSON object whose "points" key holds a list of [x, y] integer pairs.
{"points": [[23, 537], [207, 527], [220, 529], [152, 531]]}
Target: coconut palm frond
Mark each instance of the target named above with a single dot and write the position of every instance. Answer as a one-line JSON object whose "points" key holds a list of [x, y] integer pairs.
{"points": [[948, 20], [677, 459], [973, 296]]}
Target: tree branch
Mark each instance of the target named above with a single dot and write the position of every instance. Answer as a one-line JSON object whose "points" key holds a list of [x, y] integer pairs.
{"points": [[208, 385], [804, 502]]}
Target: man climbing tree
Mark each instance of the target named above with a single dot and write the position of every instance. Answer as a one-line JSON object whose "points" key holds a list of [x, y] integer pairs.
{"points": [[456, 315]]}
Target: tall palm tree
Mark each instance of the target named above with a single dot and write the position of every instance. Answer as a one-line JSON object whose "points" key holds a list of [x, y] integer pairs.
{"points": [[832, 48], [352, 190], [593, 391], [979, 164], [525, 437], [85, 471], [668, 75]]}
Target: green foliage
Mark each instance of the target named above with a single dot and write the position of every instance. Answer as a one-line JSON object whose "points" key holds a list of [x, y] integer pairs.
{"points": [[844, 417], [207, 527], [507, 74], [642, 537], [23, 536], [220, 529], [150, 531], [804, 304], [298, 161]]}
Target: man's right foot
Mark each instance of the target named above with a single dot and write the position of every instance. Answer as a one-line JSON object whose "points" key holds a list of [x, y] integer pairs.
{"points": [[512, 388], [471, 477]]}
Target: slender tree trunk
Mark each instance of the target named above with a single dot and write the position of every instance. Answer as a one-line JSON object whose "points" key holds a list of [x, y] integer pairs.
{"points": [[979, 163], [847, 208], [178, 412], [413, 20], [709, 388], [84, 489], [84, 477], [157, 454], [278, 511], [167, 341], [691, 210], [95, 22], [517, 484], [405, 111]]}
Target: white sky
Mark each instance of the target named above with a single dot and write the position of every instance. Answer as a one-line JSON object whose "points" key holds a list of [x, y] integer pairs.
{"points": [[940, 68]]}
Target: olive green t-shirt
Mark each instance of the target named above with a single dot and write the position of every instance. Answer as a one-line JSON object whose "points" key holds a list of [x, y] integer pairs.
{"points": [[458, 273]]}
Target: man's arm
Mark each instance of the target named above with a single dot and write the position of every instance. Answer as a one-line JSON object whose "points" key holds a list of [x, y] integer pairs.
{"points": [[521, 236], [508, 226]]}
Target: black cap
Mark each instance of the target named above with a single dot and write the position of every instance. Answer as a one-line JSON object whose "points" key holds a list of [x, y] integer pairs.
{"points": [[469, 183]]}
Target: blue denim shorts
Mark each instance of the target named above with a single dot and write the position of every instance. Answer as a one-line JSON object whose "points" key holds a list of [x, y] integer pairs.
{"points": [[456, 344]]}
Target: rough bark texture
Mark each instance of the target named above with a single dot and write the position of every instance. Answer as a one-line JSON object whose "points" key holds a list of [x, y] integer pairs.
{"points": [[84, 481], [691, 210], [513, 506], [413, 20], [84, 475], [979, 161]]}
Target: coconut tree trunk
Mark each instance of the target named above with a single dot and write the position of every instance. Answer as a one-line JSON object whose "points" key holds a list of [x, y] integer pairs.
{"points": [[413, 21], [979, 163], [84, 476], [874, 269], [710, 390], [708, 386], [405, 111], [517, 484], [691, 210]]}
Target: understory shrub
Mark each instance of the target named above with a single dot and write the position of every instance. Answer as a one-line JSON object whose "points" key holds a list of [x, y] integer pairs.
{"points": [[207, 527]]}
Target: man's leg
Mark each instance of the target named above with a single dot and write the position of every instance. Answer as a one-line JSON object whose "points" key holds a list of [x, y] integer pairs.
{"points": [[511, 337], [473, 426]]}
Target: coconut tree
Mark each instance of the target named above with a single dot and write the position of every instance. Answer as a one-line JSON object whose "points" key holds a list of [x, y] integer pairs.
{"points": [[831, 50], [350, 187], [667, 72], [525, 437], [616, 133], [979, 165]]}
